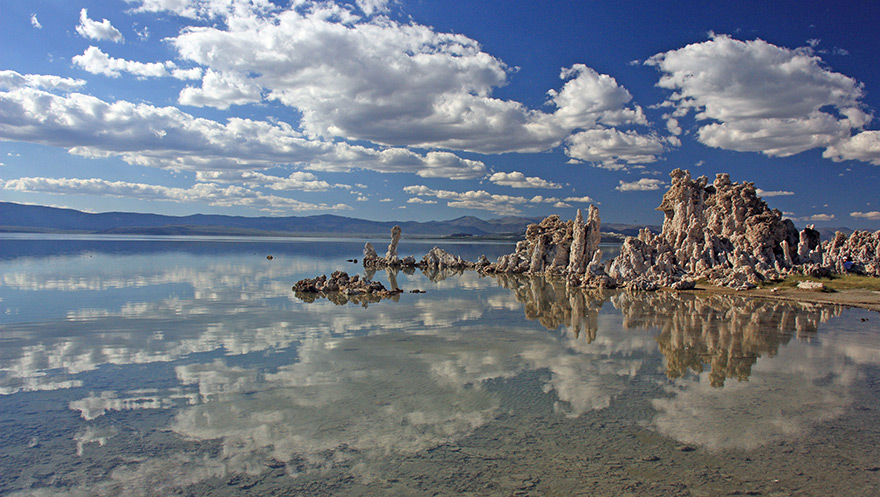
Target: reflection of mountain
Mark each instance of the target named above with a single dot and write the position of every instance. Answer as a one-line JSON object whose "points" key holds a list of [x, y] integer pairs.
{"points": [[727, 333]]}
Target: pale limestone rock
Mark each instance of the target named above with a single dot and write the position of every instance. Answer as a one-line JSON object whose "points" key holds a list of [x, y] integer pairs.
{"points": [[578, 245], [391, 255], [369, 251], [813, 286]]}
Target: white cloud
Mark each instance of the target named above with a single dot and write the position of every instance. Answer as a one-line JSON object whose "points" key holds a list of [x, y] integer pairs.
{"points": [[517, 179], [373, 79], [95, 30], [212, 194], [168, 138], [642, 185], [614, 149], [483, 200], [580, 200], [864, 146], [295, 181], [772, 193], [419, 200], [479, 199], [221, 90], [35, 22], [872, 215], [540, 199], [11, 80], [204, 9], [760, 97], [813, 217], [96, 61], [371, 7]]}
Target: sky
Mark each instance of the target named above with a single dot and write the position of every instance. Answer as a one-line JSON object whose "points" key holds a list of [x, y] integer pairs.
{"points": [[431, 110]]}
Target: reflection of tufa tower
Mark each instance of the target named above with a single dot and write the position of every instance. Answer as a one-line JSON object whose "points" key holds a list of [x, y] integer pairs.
{"points": [[725, 332], [554, 302]]}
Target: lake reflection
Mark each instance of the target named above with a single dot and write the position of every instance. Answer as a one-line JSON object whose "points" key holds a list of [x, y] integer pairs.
{"points": [[189, 366]]}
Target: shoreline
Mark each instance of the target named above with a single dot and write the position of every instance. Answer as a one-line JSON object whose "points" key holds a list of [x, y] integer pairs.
{"points": [[863, 299]]}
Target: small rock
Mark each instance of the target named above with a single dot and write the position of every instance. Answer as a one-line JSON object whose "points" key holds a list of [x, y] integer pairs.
{"points": [[685, 448], [813, 286]]}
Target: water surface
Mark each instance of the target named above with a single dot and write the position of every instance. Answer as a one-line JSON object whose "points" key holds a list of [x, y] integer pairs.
{"points": [[187, 366]]}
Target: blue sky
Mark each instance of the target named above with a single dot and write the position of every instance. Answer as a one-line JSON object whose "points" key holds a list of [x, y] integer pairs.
{"points": [[420, 110]]}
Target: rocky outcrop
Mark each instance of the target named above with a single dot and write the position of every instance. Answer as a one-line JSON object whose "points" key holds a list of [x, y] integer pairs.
{"points": [[340, 288], [859, 253], [722, 232], [439, 259], [391, 259], [725, 233], [553, 246]]}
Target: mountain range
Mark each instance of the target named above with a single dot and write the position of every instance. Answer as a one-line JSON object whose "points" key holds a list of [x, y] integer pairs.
{"points": [[23, 218]]}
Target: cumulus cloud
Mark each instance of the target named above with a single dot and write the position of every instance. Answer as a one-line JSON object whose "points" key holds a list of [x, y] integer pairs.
{"points": [[642, 185], [473, 199], [95, 61], [483, 200], [864, 146], [517, 179], [166, 137], [87, 28], [11, 80], [298, 180], [614, 149], [35, 22], [371, 7], [204, 9], [814, 217], [580, 200], [211, 194], [772, 193], [872, 215], [373, 79], [220, 90], [753, 96]]}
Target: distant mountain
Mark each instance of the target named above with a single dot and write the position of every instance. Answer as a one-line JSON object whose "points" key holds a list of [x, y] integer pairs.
{"points": [[32, 218]]}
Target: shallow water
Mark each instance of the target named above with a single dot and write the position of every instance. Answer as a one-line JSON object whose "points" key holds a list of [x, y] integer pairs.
{"points": [[188, 367]]}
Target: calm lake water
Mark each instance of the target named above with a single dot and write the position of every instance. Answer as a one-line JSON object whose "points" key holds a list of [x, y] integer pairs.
{"points": [[187, 366]]}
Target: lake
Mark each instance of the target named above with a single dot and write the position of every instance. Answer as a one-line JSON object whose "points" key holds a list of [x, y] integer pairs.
{"points": [[187, 366]]}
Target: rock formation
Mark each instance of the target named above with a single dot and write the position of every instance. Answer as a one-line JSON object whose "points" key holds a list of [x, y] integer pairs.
{"points": [[725, 233], [722, 232], [391, 255], [859, 253], [568, 248], [391, 259], [340, 288]]}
